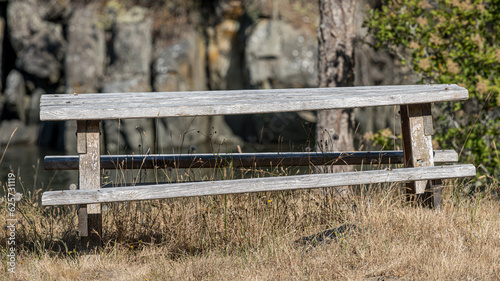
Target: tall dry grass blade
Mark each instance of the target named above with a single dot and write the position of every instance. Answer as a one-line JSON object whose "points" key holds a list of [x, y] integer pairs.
{"points": [[7, 146]]}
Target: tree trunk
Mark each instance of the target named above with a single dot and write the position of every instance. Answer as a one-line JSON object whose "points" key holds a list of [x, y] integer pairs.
{"points": [[336, 34]]}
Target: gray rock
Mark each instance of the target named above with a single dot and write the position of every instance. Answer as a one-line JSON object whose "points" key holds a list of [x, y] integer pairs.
{"points": [[129, 135], [16, 132], [43, 55], [55, 10], [129, 71], [127, 83], [131, 52], [224, 56], [39, 45], [86, 54], [280, 56], [15, 93], [180, 66], [222, 136], [23, 20], [181, 132], [132, 45], [262, 8]]}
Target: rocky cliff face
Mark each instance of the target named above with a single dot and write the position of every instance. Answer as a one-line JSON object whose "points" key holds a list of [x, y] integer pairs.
{"points": [[141, 46]]}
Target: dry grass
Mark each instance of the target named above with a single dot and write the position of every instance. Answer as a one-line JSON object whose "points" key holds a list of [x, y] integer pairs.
{"points": [[251, 237]]}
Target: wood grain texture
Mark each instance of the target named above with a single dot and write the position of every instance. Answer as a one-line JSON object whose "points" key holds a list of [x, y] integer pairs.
{"points": [[83, 226], [163, 191], [171, 104], [81, 137], [243, 160], [416, 143], [89, 177]]}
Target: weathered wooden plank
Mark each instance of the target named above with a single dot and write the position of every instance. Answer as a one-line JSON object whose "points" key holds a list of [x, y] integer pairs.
{"points": [[170, 104], [241, 160], [427, 119], [83, 226], [89, 216], [417, 145], [433, 196], [81, 138], [445, 156], [119, 194]]}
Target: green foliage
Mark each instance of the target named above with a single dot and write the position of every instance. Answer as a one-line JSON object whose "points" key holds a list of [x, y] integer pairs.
{"points": [[383, 139], [452, 41]]}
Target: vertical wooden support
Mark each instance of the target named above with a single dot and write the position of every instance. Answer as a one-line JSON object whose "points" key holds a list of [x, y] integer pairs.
{"points": [[433, 196], [89, 216], [416, 126]]}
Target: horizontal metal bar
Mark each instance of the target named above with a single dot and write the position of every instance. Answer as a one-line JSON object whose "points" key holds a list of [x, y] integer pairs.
{"points": [[240, 160]]}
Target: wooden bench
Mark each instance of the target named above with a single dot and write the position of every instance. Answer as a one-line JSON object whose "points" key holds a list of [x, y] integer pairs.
{"points": [[89, 109]]}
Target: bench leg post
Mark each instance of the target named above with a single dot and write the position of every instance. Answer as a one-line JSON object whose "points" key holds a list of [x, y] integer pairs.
{"points": [[417, 130], [434, 195], [89, 216]]}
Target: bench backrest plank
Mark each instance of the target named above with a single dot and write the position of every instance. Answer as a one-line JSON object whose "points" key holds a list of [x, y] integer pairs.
{"points": [[172, 104]]}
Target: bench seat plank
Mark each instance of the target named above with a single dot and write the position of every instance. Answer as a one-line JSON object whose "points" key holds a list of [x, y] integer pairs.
{"points": [[176, 190], [172, 104], [248, 160]]}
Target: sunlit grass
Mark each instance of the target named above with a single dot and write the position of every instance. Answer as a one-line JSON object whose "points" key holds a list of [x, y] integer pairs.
{"points": [[252, 236]]}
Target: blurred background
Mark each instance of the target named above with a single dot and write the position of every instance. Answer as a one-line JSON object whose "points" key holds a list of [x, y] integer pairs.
{"points": [[63, 46]]}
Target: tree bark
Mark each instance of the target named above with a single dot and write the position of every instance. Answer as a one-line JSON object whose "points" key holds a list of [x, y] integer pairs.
{"points": [[336, 34]]}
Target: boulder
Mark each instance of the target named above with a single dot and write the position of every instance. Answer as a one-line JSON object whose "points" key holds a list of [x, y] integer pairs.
{"points": [[225, 56], [15, 93], [43, 55], [129, 71], [39, 45], [55, 10], [23, 21], [263, 8], [16, 132], [131, 49], [278, 55], [228, 9], [86, 54], [180, 66]]}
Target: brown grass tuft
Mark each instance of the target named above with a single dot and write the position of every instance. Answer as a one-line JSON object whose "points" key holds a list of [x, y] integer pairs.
{"points": [[251, 237]]}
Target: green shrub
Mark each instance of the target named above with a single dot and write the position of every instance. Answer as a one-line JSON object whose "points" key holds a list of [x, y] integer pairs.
{"points": [[451, 42]]}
